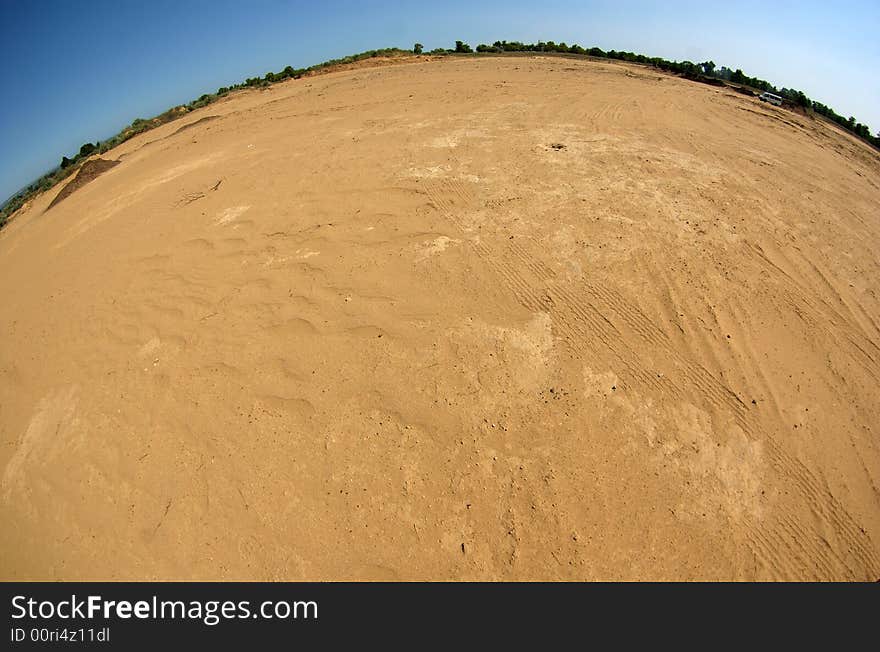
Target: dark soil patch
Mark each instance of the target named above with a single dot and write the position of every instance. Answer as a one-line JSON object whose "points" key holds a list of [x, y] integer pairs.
{"points": [[711, 81], [89, 171], [743, 90]]}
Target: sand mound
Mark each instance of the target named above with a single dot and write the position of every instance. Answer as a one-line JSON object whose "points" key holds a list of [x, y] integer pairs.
{"points": [[498, 318], [200, 121], [88, 172]]}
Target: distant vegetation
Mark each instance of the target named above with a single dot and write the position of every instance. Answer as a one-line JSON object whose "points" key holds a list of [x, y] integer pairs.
{"points": [[704, 72], [699, 71], [69, 165]]}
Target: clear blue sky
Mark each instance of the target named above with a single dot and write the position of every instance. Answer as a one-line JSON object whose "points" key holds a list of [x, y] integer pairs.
{"points": [[75, 72]]}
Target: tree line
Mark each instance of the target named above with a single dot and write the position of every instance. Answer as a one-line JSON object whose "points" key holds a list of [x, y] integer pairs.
{"points": [[705, 72], [700, 71]]}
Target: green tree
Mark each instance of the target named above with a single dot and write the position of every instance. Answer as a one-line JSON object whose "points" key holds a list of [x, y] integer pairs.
{"points": [[417, 48], [461, 46], [87, 149]]}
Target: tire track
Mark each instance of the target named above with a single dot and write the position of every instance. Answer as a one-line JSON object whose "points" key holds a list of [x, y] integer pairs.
{"points": [[537, 267], [809, 309], [584, 315], [630, 314]]}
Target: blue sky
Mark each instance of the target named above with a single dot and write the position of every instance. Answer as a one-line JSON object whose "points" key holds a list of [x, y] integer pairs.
{"points": [[74, 72]]}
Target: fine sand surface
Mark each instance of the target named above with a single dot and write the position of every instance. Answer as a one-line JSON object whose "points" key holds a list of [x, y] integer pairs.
{"points": [[515, 318]]}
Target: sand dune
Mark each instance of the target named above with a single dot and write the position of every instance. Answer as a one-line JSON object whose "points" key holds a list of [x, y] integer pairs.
{"points": [[515, 318]]}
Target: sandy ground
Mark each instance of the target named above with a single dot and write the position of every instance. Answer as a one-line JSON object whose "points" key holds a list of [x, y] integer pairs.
{"points": [[406, 337]]}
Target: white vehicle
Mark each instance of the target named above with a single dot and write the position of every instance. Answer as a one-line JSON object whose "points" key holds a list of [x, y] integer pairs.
{"points": [[770, 97]]}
